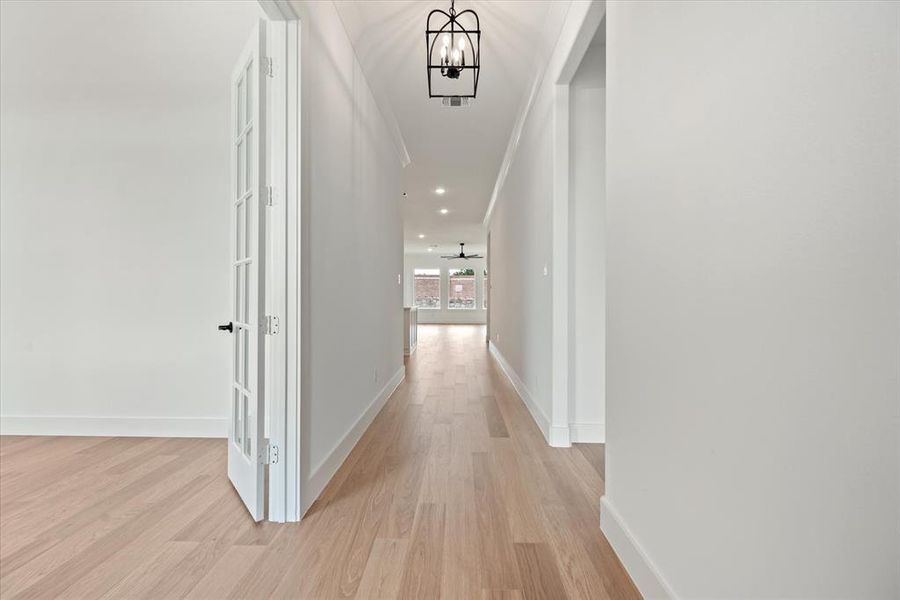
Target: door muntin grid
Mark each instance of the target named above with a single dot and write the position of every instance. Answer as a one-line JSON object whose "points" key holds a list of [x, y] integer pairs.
{"points": [[244, 269], [246, 129]]}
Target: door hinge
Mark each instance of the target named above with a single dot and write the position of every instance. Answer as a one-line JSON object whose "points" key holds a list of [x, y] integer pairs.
{"points": [[270, 195], [269, 454], [269, 66], [271, 325]]}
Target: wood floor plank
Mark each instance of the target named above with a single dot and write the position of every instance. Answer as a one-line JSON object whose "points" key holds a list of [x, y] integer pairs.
{"points": [[22, 478], [422, 569], [282, 556], [384, 570], [595, 455], [54, 583], [70, 496], [451, 493], [540, 576], [496, 424], [495, 542], [222, 578], [462, 569], [408, 462], [581, 580], [501, 595], [74, 535], [170, 519], [205, 551], [436, 482], [525, 524], [139, 582], [348, 569]]}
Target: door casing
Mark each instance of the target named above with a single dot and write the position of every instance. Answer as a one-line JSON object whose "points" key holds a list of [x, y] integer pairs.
{"points": [[283, 296]]}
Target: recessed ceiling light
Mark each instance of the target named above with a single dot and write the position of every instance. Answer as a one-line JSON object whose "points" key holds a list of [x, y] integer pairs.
{"points": [[431, 249], [439, 191], [444, 211], [421, 236], [404, 194]]}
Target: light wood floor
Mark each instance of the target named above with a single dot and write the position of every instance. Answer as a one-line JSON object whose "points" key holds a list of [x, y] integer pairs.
{"points": [[451, 493]]}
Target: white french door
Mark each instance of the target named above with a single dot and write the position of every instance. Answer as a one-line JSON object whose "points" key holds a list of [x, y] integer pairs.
{"points": [[247, 446]]}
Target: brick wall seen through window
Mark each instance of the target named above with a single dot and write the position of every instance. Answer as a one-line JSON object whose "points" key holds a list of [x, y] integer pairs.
{"points": [[427, 288], [462, 289]]}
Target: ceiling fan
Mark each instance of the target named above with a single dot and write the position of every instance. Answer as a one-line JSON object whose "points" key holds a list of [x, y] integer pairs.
{"points": [[462, 254]]}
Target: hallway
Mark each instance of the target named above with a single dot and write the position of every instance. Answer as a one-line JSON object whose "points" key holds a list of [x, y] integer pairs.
{"points": [[451, 493]]}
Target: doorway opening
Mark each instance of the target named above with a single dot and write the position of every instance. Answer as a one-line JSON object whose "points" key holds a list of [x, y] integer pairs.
{"points": [[587, 245], [578, 248]]}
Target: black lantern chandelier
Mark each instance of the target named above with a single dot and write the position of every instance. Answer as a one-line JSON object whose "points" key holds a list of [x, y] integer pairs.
{"points": [[453, 47]]}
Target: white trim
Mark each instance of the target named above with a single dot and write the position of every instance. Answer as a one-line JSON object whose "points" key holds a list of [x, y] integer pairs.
{"points": [[645, 574], [580, 19], [276, 350], [512, 145], [558, 437], [323, 472], [293, 329], [382, 99], [206, 427], [486, 289], [279, 10], [587, 433], [284, 430], [574, 48], [561, 276]]}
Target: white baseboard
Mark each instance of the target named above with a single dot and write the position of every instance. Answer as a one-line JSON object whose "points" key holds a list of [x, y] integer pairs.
{"points": [[560, 437], [114, 426], [555, 436], [649, 581], [587, 433], [325, 470]]}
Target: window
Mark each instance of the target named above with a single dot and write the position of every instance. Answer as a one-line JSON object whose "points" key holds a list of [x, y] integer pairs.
{"points": [[485, 292], [427, 289], [462, 289]]}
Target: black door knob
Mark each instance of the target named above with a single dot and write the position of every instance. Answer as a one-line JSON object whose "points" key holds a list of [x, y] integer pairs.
{"points": [[229, 328]]}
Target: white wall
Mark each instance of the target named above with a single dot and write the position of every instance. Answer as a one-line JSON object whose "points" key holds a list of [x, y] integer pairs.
{"points": [[520, 228], [587, 249], [753, 394], [114, 202], [413, 261], [352, 251]]}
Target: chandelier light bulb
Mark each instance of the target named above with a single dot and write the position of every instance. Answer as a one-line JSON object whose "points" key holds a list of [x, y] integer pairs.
{"points": [[455, 56], [462, 43], [446, 40]]}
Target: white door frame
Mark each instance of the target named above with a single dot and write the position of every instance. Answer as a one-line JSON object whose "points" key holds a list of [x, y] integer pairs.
{"points": [[283, 270], [589, 17]]}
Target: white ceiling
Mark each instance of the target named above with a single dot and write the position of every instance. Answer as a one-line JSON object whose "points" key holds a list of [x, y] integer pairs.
{"points": [[459, 149]]}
